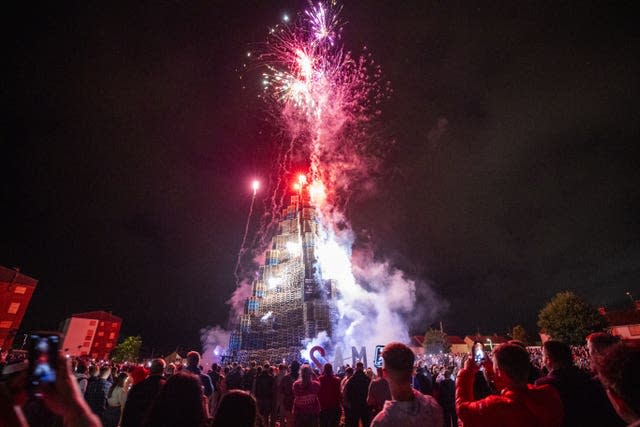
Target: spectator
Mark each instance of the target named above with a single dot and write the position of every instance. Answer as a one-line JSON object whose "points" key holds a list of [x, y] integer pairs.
{"points": [[237, 409], [583, 398], [286, 389], [423, 381], [619, 371], [234, 379], [597, 345], [81, 376], [218, 383], [279, 409], [141, 395], [447, 400], [306, 406], [519, 404], [249, 377], [356, 396], [193, 360], [96, 394], [180, 403], [329, 397], [534, 372], [408, 407], [116, 398], [265, 386], [379, 393]]}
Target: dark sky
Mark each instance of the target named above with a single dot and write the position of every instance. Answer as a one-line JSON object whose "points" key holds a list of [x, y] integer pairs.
{"points": [[128, 147]]}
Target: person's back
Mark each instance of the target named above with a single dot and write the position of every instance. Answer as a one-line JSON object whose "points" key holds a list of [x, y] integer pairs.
{"points": [[447, 399], [520, 404], [141, 395], [264, 392], [193, 361], [96, 393], [379, 392], [356, 390], [419, 412], [408, 407], [583, 398], [234, 379]]}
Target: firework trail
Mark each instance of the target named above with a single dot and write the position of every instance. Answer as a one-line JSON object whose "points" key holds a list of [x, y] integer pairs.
{"points": [[255, 186], [325, 100]]}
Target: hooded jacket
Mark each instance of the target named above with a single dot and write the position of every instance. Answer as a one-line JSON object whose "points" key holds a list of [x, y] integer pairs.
{"points": [[533, 406]]}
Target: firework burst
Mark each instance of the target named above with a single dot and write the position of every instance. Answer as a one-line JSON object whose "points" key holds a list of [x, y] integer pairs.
{"points": [[323, 95]]}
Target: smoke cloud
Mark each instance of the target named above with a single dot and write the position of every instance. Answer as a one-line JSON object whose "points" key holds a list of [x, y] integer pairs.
{"points": [[215, 341]]}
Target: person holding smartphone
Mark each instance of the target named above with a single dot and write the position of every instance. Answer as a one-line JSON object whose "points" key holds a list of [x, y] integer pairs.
{"points": [[27, 380], [519, 404]]}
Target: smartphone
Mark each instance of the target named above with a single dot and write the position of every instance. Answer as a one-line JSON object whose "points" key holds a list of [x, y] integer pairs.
{"points": [[478, 353], [43, 358]]}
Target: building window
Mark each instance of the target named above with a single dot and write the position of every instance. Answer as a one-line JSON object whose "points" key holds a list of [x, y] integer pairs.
{"points": [[20, 290], [100, 334], [112, 335], [114, 325], [6, 324], [93, 323], [86, 344], [109, 345], [101, 323], [13, 308]]}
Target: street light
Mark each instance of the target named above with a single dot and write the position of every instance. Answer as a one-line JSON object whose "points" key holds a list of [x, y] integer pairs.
{"points": [[631, 297]]}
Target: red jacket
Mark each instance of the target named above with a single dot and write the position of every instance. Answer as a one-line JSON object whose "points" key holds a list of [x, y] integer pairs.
{"points": [[329, 394], [535, 406]]}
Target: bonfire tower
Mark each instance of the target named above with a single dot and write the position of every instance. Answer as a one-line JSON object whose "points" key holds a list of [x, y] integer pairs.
{"points": [[290, 302]]}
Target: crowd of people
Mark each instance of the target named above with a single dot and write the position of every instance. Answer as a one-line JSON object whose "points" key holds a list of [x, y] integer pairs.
{"points": [[514, 385]]}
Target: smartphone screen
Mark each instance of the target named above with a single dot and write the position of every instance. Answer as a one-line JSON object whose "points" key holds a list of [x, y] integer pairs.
{"points": [[478, 353], [43, 358]]}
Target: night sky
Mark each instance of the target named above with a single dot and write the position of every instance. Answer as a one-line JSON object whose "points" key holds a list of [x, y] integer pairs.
{"points": [[128, 147]]}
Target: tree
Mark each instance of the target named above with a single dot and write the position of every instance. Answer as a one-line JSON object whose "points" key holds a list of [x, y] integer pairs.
{"points": [[519, 333], [569, 318], [127, 350], [436, 341]]}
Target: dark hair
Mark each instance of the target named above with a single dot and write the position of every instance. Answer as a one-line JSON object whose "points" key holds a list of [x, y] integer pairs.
{"points": [[558, 352], [619, 371], [157, 366], [295, 369], [513, 361], [81, 367], [601, 341], [178, 404], [193, 358], [327, 369], [237, 409], [398, 359]]}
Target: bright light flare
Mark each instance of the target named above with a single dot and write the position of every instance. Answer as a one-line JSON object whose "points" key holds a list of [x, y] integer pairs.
{"points": [[302, 179], [293, 248], [255, 185], [317, 192], [274, 282]]}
